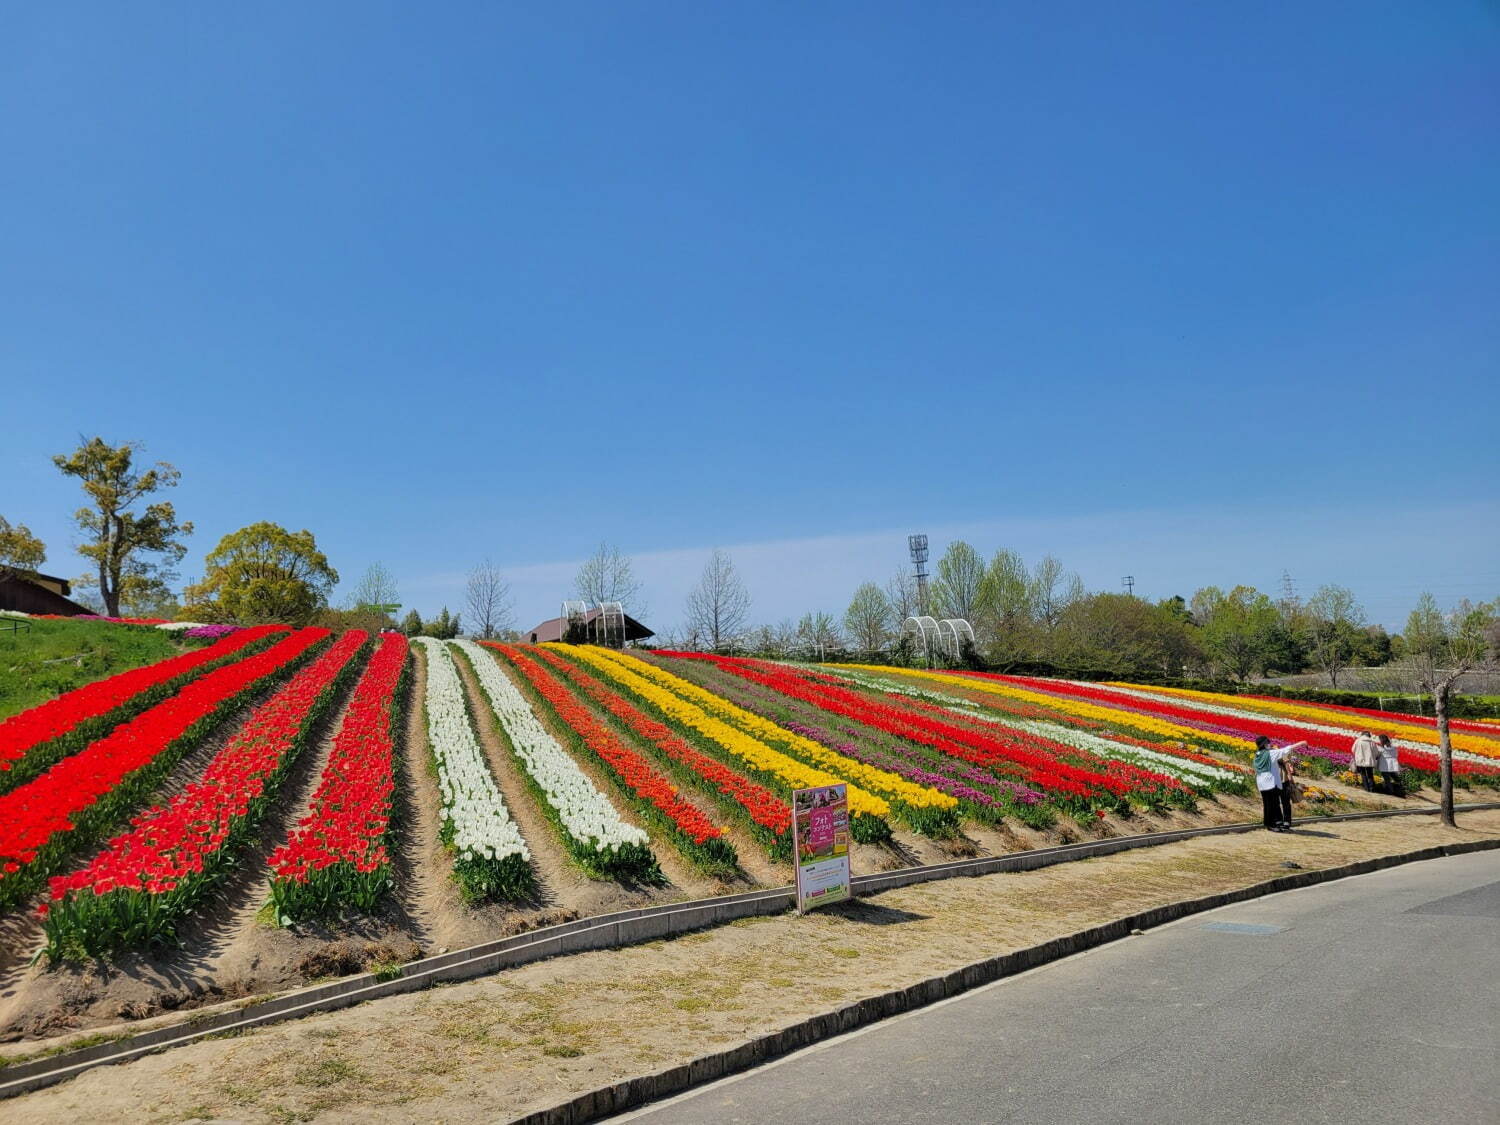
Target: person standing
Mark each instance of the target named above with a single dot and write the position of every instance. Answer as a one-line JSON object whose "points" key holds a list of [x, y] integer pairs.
{"points": [[1390, 767], [1267, 764], [1365, 752]]}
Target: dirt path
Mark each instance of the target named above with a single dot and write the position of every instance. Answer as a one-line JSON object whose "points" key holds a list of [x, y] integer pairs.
{"points": [[493, 1048]]}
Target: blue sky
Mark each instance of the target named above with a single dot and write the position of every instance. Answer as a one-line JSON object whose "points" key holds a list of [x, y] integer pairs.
{"points": [[1192, 292]]}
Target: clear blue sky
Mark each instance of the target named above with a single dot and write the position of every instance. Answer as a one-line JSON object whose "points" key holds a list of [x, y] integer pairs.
{"points": [[1191, 291]]}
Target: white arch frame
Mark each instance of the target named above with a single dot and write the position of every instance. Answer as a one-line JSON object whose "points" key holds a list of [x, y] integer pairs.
{"points": [[952, 632], [926, 632], [611, 624], [573, 610]]}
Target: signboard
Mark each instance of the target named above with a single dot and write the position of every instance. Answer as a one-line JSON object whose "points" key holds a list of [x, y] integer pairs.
{"points": [[820, 838]]}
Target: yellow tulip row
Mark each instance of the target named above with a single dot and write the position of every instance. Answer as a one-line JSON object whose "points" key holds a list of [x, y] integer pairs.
{"points": [[876, 780], [752, 751], [1076, 707], [1396, 725]]}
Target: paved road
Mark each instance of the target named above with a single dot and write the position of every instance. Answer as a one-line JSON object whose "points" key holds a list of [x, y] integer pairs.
{"points": [[1368, 1000]]}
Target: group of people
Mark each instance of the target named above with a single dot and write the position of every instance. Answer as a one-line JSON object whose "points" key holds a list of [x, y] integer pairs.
{"points": [[1275, 767], [1372, 756]]}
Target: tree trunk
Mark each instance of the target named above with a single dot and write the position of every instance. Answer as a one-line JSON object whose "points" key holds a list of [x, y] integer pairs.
{"points": [[1445, 749]]}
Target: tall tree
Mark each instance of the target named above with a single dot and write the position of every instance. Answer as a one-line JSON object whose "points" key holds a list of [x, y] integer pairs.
{"points": [[719, 606], [819, 632], [444, 627], [901, 593], [1333, 619], [488, 600], [869, 620], [606, 576], [1007, 616], [1240, 629], [958, 585], [1442, 647], [376, 588], [411, 624], [20, 551], [1050, 590], [142, 545], [264, 573]]}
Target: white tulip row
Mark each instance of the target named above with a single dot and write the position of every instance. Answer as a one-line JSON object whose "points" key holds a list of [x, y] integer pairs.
{"points": [[585, 813], [1251, 716], [482, 825], [1184, 768]]}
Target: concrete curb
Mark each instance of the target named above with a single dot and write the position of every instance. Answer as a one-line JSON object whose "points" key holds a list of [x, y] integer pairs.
{"points": [[602, 932], [636, 1092]]}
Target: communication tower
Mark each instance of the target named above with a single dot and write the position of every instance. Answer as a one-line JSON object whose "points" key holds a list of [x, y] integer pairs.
{"points": [[917, 544]]}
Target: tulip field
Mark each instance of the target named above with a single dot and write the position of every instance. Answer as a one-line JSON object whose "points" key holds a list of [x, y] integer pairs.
{"points": [[286, 785]]}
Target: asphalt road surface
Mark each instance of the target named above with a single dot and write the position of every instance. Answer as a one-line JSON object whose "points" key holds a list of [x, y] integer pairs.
{"points": [[1374, 999]]}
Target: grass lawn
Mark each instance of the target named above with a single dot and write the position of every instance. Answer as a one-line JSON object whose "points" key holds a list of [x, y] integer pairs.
{"points": [[58, 656]]}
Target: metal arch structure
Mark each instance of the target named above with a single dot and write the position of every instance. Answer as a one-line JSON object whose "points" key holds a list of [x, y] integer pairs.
{"points": [[925, 629], [574, 620], [609, 626], [952, 633]]}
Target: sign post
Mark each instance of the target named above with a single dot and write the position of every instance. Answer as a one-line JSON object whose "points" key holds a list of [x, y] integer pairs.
{"points": [[820, 839]]}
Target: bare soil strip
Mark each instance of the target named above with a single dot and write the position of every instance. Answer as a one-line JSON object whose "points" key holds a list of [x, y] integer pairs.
{"points": [[493, 1048]]}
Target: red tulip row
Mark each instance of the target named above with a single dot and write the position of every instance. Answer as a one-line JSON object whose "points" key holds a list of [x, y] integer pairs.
{"points": [[696, 836], [769, 815], [1041, 761], [76, 801], [35, 739], [135, 891], [339, 856]]}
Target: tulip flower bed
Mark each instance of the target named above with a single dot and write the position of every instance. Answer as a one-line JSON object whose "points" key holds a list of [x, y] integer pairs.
{"points": [[338, 856], [775, 770], [36, 739], [981, 794], [490, 860], [1044, 764], [925, 809], [695, 835], [78, 800], [1328, 746], [134, 892], [1198, 770], [767, 815], [600, 841]]}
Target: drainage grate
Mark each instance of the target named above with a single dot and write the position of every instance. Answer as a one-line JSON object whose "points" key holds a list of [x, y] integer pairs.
{"points": [[1253, 929]]}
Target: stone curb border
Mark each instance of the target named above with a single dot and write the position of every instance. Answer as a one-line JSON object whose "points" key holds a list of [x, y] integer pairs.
{"points": [[633, 1093], [600, 932]]}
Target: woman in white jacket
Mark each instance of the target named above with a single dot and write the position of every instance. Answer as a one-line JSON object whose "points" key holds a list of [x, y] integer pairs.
{"points": [[1390, 767]]}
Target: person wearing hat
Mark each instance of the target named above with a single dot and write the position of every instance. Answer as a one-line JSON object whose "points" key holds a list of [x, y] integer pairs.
{"points": [[1268, 780]]}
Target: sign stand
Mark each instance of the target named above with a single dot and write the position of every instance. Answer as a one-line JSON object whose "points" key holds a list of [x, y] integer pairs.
{"points": [[820, 844]]}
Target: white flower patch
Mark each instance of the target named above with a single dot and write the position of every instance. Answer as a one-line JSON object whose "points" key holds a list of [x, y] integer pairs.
{"points": [[586, 814], [1184, 768], [482, 825]]}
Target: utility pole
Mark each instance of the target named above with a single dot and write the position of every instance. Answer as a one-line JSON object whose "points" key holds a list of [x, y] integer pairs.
{"points": [[1129, 583]]}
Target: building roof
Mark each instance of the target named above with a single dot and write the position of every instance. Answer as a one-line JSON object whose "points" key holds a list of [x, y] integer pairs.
{"points": [[552, 629], [27, 595]]}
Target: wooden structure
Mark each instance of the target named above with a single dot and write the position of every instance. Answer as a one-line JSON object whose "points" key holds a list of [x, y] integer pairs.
{"points": [[592, 626], [37, 593]]}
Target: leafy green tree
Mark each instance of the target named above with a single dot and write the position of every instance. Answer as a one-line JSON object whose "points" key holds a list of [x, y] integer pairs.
{"points": [[444, 626], [957, 586], [120, 541], [1239, 629], [20, 551], [1007, 618], [264, 573], [869, 620], [411, 624], [1441, 648], [1334, 618]]}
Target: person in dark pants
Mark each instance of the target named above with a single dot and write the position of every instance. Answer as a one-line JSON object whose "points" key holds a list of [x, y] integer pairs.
{"points": [[1390, 767], [1267, 763], [1363, 755], [1287, 772]]}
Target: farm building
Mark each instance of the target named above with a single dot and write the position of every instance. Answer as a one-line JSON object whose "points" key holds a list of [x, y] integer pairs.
{"points": [[37, 593], [588, 627]]}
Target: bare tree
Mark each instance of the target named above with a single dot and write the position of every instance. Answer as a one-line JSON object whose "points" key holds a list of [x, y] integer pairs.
{"points": [[869, 618], [719, 606], [818, 632], [375, 591], [901, 592], [606, 576], [488, 601], [959, 590], [1332, 617], [1442, 647]]}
